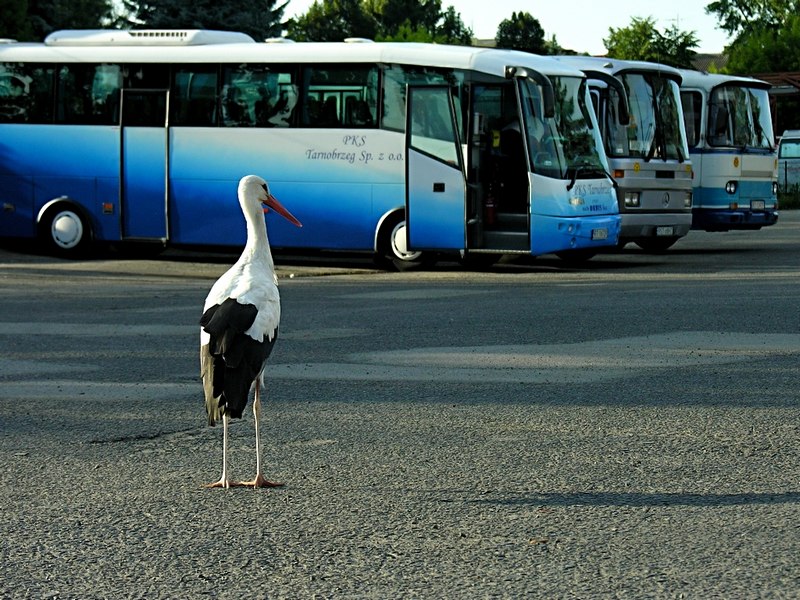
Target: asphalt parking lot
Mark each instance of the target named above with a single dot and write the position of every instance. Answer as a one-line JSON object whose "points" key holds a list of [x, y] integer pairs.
{"points": [[626, 429]]}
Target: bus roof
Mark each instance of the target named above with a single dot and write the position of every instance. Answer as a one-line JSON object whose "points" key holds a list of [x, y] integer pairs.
{"points": [[707, 81], [614, 66], [109, 46], [145, 37]]}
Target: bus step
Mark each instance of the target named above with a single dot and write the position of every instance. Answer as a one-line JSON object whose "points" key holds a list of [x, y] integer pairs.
{"points": [[512, 221], [506, 240]]}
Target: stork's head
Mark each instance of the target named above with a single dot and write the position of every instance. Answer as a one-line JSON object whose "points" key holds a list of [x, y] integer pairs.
{"points": [[254, 194]]}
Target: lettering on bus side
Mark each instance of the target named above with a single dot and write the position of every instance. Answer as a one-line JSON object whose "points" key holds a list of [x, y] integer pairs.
{"points": [[589, 189], [349, 156], [354, 140]]}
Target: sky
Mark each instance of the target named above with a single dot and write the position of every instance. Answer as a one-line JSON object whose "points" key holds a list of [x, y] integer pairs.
{"points": [[581, 25]]}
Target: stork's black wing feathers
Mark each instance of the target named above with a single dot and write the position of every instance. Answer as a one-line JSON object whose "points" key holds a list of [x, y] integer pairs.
{"points": [[224, 323], [232, 360]]}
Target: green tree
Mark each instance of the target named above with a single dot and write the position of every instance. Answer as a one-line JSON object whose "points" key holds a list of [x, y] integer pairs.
{"points": [[333, 21], [642, 41], [391, 15], [47, 16], [765, 34], [382, 20], [14, 20], [452, 30], [745, 16], [258, 18], [767, 50], [407, 33], [554, 48], [521, 32]]}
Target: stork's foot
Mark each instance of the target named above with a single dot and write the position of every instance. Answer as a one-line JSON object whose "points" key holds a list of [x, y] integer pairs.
{"points": [[260, 482], [223, 483]]}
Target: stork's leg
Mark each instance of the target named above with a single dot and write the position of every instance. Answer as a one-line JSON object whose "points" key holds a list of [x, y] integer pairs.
{"points": [[224, 481], [259, 481]]}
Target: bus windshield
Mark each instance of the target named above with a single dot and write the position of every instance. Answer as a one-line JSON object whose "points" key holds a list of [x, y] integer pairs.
{"points": [[654, 130], [739, 116], [562, 147]]}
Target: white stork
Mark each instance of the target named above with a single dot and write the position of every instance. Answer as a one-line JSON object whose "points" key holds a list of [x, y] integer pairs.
{"points": [[239, 326]]}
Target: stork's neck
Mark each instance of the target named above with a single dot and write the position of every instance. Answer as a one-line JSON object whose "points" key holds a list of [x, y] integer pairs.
{"points": [[257, 246]]}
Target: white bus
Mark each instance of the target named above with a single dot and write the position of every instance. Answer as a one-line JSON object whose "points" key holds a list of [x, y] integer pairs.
{"points": [[729, 130], [639, 109], [404, 150]]}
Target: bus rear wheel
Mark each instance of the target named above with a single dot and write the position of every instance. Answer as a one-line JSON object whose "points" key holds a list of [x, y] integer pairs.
{"points": [[65, 231], [393, 249]]}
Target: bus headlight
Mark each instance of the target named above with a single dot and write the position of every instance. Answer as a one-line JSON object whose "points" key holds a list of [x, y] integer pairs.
{"points": [[730, 187], [687, 202], [774, 188], [631, 199]]}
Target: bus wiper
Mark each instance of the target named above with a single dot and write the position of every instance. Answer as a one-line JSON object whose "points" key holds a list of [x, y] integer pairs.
{"points": [[589, 169], [651, 151], [679, 150]]}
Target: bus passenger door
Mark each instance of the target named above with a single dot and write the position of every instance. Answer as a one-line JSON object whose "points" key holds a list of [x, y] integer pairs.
{"points": [[435, 183], [143, 165]]}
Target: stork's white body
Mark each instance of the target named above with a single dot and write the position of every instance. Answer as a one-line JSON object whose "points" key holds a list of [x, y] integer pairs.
{"points": [[240, 321]]}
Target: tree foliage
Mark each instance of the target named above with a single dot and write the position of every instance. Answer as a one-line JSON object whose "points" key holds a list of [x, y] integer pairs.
{"points": [[642, 41], [14, 20], [391, 15], [766, 34], [333, 21], [258, 18], [33, 20], [745, 16], [521, 32], [767, 50], [452, 30], [383, 20]]}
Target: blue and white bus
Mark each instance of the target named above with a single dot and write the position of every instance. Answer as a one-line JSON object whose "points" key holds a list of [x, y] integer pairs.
{"points": [[639, 109], [729, 131], [404, 150]]}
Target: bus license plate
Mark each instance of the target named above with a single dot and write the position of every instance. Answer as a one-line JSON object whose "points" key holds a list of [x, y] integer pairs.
{"points": [[664, 231], [599, 234], [757, 205]]}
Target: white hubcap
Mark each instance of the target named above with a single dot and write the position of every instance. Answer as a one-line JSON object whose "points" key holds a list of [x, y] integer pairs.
{"points": [[67, 230], [399, 245]]}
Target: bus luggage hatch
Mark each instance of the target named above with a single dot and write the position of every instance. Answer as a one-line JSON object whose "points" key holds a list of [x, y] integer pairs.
{"points": [[435, 183]]}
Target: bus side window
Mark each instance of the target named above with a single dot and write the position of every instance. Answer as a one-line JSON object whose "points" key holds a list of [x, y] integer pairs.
{"points": [[194, 99], [692, 104], [396, 77], [26, 93], [88, 94], [257, 95], [340, 96]]}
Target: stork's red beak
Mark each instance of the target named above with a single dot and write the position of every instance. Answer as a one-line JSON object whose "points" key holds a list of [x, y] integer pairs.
{"points": [[272, 202]]}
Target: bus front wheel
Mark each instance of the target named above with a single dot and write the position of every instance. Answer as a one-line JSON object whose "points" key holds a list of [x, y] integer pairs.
{"points": [[66, 231], [393, 249]]}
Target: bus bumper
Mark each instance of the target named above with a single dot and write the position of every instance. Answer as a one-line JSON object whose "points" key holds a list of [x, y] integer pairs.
{"points": [[648, 225], [555, 234], [725, 220]]}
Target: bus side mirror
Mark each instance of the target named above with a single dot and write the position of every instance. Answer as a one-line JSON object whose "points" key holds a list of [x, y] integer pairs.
{"points": [[623, 111], [548, 95]]}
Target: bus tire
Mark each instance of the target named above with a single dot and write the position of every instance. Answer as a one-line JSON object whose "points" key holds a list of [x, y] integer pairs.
{"points": [[65, 230], [392, 252], [656, 244]]}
